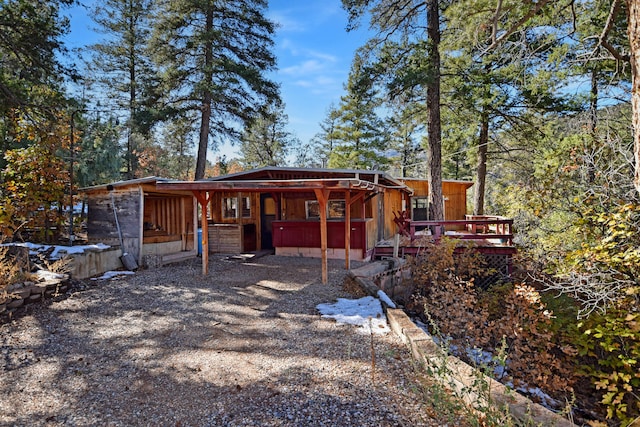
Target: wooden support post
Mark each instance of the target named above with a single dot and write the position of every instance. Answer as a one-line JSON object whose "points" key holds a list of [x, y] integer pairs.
{"points": [[347, 229], [323, 195], [183, 224], [203, 199]]}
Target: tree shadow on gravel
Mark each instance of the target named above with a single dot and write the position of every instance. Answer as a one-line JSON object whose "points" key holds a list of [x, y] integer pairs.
{"points": [[171, 347]]}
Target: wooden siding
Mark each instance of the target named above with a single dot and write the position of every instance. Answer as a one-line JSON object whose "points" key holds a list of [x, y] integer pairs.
{"points": [[454, 192], [392, 203], [168, 218], [225, 238], [306, 234], [101, 224]]}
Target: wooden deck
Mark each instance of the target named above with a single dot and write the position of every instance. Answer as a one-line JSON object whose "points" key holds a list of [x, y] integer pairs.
{"points": [[492, 235]]}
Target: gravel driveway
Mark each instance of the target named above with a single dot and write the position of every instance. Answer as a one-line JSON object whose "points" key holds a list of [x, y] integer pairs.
{"points": [[244, 346]]}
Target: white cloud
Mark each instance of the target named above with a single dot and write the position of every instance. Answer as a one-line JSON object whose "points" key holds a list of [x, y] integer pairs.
{"points": [[310, 66]]}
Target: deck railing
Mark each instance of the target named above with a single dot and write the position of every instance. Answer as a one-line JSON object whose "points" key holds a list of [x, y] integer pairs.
{"points": [[474, 227]]}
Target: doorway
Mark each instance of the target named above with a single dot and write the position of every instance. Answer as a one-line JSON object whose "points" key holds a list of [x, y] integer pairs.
{"points": [[267, 216]]}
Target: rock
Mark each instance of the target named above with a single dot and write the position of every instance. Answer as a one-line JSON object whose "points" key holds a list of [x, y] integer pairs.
{"points": [[15, 303]]}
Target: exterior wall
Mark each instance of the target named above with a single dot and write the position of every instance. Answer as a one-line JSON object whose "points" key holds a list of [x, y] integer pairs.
{"points": [[455, 193], [101, 224], [392, 203], [294, 205], [245, 236], [455, 204], [160, 249], [306, 234], [169, 219]]}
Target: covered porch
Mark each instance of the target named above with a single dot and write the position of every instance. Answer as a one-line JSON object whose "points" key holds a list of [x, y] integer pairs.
{"points": [[338, 218]]}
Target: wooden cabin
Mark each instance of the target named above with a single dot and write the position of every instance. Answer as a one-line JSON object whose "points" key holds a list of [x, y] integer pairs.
{"points": [[156, 226], [279, 208]]}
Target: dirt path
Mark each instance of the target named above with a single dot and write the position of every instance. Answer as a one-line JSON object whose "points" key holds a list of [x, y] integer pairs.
{"points": [[244, 346]]}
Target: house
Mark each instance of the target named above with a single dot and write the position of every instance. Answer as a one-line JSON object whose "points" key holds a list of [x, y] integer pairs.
{"points": [[324, 213]]}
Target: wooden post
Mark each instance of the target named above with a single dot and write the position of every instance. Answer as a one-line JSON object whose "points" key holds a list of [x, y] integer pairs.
{"points": [[203, 199], [347, 229], [140, 225], [183, 224], [323, 195]]}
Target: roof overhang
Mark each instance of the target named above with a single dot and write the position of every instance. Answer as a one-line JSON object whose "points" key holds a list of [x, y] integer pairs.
{"points": [[269, 186]]}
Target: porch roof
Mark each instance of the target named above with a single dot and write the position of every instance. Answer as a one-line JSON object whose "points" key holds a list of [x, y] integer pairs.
{"points": [[268, 186]]}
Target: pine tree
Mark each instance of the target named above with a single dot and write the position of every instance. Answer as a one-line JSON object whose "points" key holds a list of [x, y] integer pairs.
{"points": [[266, 142], [412, 30], [214, 55], [29, 48], [358, 140], [124, 70]]}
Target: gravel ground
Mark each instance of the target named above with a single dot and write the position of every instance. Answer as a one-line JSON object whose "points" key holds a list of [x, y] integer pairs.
{"points": [[244, 346]]}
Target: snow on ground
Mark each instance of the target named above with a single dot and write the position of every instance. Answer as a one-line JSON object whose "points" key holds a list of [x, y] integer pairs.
{"points": [[366, 313], [58, 251], [47, 275], [483, 358], [385, 298], [108, 275]]}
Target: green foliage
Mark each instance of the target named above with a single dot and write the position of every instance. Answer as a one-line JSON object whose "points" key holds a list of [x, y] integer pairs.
{"points": [[358, 140], [612, 341], [122, 67], [266, 141], [31, 38], [99, 161], [604, 276]]}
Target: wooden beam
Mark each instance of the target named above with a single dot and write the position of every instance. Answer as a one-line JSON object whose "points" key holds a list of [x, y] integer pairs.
{"points": [[322, 195], [359, 195], [203, 198], [347, 229]]}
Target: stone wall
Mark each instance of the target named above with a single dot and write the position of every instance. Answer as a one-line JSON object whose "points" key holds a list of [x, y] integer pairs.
{"points": [[19, 294]]}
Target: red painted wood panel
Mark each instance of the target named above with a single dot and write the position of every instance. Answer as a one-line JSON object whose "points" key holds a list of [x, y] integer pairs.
{"points": [[306, 234]]}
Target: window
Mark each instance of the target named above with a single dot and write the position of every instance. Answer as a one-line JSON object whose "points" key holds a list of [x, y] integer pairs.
{"points": [[335, 209], [246, 207], [229, 207], [313, 209], [419, 208]]}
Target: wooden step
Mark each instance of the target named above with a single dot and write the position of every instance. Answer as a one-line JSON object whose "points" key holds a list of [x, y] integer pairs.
{"points": [[178, 256]]}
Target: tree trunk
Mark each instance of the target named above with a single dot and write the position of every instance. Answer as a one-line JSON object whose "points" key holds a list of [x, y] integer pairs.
{"points": [[481, 169], [633, 28], [205, 123], [593, 127], [132, 160], [434, 152]]}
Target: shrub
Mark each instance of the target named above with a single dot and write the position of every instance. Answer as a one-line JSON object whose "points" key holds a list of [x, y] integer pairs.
{"points": [[470, 317]]}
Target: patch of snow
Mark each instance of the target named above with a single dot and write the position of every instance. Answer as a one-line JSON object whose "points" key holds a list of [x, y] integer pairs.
{"points": [[385, 298], [58, 250], [545, 400], [108, 275], [48, 275], [364, 312]]}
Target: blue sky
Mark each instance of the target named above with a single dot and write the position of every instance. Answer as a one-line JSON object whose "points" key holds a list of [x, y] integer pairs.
{"points": [[314, 54]]}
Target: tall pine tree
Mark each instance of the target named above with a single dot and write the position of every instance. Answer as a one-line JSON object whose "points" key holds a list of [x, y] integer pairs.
{"points": [[214, 55], [123, 69]]}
